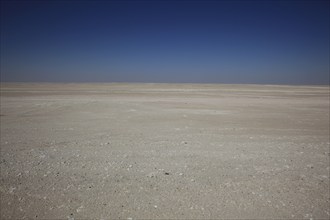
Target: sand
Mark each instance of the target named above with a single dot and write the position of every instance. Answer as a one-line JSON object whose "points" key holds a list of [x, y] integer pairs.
{"points": [[164, 151]]}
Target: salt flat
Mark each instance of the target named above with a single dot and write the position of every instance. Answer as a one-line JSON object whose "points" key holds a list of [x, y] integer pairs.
{"points": [[169, 151]]}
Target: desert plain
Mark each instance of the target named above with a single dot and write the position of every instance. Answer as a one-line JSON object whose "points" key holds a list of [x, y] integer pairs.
{"points": [[164, 151]]}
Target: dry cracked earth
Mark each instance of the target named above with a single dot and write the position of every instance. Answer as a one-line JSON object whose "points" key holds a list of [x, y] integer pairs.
{"points": [[164, 151]]}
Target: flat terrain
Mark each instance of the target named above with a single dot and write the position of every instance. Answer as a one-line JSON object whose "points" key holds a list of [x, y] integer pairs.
{"points": [[169, 151]]}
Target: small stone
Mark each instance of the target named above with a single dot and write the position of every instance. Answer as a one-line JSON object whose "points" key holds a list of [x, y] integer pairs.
{"points": [[166, 173], [310, 166], [180, 174], [11, 189], [151, 175], [80, 209]]}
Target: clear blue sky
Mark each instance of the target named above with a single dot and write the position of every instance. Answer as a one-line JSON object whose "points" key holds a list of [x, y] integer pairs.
{"points": [[272, 42]]}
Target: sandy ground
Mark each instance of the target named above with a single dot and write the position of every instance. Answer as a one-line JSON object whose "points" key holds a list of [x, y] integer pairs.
{"points": [[168, 151]]}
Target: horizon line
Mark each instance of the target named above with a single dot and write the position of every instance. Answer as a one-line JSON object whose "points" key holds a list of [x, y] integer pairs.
{"points": [[132, 82]]}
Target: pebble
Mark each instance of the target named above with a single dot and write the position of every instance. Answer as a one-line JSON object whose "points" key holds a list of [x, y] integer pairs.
{"points": [[79, 209], [150, 175], [12, 189]]}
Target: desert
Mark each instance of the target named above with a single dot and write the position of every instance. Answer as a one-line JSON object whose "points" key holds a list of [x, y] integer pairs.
{"points": [[164, 151]]}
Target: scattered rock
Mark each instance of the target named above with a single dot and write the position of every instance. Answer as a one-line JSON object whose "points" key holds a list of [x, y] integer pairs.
{"points": [[79, 209], [151, 175], [12, 189], [70, 217], [310, 166]]}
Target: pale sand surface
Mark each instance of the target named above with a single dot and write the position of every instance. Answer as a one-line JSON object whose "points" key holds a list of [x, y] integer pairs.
{"points": [[168, 151]]}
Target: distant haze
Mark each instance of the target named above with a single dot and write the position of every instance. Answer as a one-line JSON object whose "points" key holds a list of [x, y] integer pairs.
{"points": [[267, 42]]}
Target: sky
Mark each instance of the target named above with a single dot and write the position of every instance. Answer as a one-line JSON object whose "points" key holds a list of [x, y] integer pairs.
{"points": [[258, 42]]}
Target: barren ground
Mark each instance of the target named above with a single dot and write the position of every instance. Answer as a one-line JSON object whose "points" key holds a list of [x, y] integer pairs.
{"points": [[164, 151]]}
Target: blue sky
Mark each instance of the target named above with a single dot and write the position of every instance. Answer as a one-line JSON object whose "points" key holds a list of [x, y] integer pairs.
{"points": [[267, 42]]}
